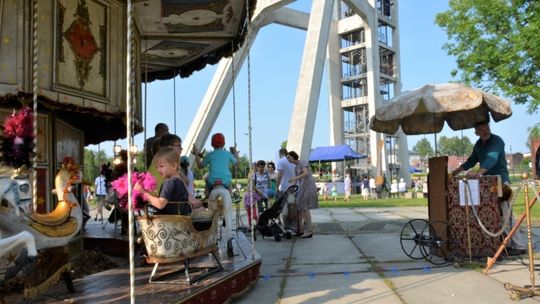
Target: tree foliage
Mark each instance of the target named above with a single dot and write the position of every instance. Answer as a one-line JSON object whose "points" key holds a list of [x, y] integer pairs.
{"points": [[497, 46], [455, 145], [423, 148], [92, 164], [534, 132]]}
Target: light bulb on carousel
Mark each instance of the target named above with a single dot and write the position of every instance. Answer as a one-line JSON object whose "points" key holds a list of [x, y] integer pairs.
{"points": [[120, 155]]}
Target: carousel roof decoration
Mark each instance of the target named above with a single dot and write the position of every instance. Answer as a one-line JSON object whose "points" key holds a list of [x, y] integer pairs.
{"points": [[184, 36]]}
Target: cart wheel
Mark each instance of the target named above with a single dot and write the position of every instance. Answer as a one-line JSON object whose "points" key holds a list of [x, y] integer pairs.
{"points": [[436, 247], [411, 237], [277, 237], [287, 235]]}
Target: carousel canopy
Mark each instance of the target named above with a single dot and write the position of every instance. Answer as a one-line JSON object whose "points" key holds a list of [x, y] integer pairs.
{"points": [[180, 37]]}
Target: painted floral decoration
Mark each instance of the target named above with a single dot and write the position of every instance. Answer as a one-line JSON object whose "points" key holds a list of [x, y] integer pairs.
{"points": [[18, 142]]}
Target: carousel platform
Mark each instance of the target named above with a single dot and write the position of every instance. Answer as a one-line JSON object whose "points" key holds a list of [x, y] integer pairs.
{"points": [[239, 274]]}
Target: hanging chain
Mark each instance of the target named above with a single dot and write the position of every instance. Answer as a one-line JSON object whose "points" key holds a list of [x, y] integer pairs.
{"points": [[145, 98], [35, 85], [174, 100], [246, 44], [234, 106]]}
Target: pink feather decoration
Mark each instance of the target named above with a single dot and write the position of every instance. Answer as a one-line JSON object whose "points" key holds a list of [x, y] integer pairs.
{"points": [[147, 181]]}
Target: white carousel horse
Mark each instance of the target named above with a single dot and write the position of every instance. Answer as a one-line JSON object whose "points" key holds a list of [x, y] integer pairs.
{"points": [[16, 192], [22, 238], [217, 192], [26, 258], [52, 229]]}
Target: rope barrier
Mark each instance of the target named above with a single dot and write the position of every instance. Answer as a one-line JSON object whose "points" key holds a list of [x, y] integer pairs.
{"points": [[506, 219]]}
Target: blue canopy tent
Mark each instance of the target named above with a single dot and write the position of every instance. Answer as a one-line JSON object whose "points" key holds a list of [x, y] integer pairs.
{"points": [[334, 154]]}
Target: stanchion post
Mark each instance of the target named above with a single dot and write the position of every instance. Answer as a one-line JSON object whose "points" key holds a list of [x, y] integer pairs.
{"points": [[491, 261], [529, 234]]}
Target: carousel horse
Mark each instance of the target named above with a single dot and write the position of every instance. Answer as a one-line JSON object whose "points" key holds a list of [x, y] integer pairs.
{"points": [[49, 230], [16, 192], [221, 192], [178, 238], [26, 258]]}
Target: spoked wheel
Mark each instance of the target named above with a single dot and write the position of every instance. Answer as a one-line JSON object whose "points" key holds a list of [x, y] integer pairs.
{"points": [[436, 247], [411, 238]]}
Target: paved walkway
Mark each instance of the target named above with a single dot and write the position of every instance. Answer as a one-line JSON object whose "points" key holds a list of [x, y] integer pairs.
{"points": [[355, 257]]}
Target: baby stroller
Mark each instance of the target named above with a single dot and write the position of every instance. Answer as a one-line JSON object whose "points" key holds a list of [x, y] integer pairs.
{"points": [[267, 225]]}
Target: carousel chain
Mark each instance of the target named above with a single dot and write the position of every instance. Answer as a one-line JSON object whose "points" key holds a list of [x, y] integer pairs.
{"points": [[145, 96], [35, 84]]}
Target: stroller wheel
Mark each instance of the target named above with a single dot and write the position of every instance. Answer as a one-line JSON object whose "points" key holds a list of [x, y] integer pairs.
{"points": [[277, 238], [287, 235]]}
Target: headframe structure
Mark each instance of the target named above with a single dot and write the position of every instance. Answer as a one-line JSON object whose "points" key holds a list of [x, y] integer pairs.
{"points": [[358, 40]]}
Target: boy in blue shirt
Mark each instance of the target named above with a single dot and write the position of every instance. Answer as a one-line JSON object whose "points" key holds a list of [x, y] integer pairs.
{"points": [[218, 162]]}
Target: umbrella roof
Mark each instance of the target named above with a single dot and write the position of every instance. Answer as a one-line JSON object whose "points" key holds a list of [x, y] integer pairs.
{"points": [[333, 154], [425, 110]]}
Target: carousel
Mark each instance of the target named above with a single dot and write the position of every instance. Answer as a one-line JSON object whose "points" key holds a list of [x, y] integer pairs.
{"points": [[73, 75]]}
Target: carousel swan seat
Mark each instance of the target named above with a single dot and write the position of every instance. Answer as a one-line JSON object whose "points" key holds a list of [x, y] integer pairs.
{"points": [[179, 238]]}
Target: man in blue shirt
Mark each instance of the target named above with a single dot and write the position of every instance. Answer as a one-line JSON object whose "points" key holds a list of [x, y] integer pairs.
{"points": [[489, 152]]}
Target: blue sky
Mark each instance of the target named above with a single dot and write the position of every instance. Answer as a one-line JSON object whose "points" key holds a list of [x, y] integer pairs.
{"points": [[275, 64]]}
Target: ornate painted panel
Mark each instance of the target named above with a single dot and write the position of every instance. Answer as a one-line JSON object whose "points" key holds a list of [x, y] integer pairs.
{"points": [[81, 46], [69, 142]]}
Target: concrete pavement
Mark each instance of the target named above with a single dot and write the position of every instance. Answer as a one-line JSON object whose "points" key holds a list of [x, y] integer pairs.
{"points": [[355, 256]]}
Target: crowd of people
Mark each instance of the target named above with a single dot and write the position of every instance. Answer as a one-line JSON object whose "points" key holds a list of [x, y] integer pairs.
{"points": [[266, 181]]}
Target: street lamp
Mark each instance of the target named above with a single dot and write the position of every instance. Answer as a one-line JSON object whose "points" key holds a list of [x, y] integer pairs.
{"points": [[511, 159]]}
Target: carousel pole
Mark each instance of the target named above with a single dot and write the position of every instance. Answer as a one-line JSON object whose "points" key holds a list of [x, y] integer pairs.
{"points": [[248, 17], [35, 85], [129, 79]]}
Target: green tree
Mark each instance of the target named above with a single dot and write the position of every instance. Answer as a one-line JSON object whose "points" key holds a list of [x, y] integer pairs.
{"points": [[92, 164], [455, 145], [534, 132], [497, 46], [423, 148]]}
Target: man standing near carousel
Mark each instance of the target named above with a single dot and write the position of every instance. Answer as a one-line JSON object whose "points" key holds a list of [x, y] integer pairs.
{"points": [[489, 152]]}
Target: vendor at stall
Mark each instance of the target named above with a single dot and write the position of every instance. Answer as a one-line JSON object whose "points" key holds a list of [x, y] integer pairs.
{"points": [[489, 152]]}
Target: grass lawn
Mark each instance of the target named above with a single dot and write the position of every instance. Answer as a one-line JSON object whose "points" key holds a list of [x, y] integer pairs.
{"points": [[357, 202]]}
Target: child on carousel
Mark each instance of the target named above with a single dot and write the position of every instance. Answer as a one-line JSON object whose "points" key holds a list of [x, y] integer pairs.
{"points": [[218, 162], [173, 196]]}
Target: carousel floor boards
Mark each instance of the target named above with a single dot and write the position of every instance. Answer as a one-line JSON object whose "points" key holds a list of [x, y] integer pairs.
{"points": [[112, 286]]}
